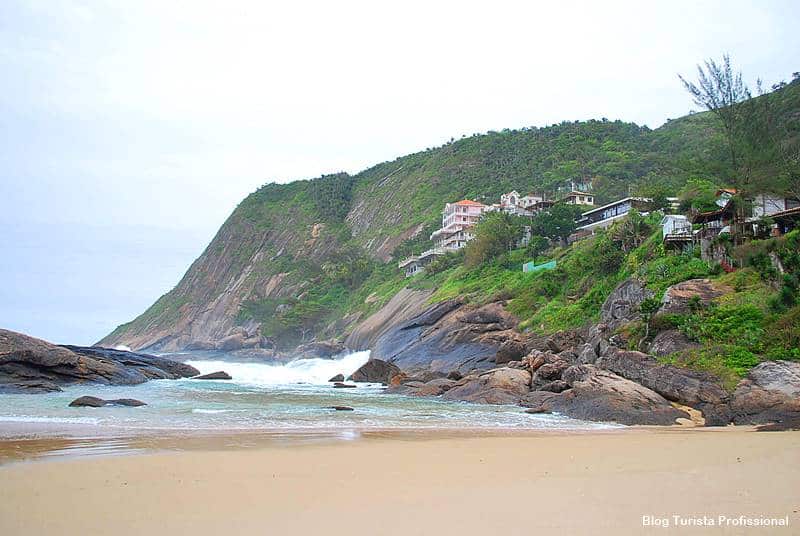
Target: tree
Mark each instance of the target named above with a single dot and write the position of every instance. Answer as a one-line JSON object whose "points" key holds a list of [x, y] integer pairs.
{"points": [[630, 232], [495, 233], [557, 223]]}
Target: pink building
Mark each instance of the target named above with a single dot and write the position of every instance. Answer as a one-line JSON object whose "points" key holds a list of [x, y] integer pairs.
{"points": [[457, 221]]}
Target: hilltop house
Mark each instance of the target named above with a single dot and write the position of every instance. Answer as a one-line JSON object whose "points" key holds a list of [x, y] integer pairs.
{"points": [[602, 217], [577, 197], [457, 222]]}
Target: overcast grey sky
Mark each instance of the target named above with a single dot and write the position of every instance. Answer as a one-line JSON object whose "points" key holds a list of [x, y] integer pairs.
{"points": [[130, 129]]}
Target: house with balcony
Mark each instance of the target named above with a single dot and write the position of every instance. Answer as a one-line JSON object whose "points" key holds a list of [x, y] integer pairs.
{"points": [[603, 217], [417, 263], [458, 219], [577, 197], [676, 232]]}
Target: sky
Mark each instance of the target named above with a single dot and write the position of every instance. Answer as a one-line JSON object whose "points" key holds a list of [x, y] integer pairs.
{"points": [[129, 130]]}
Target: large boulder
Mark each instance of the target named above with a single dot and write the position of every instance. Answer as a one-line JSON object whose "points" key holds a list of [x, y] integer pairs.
{"points": [[599, 395], [30, 365], [511, 350], [218, 375], [375, 371], [671, 341], [622, 305], [690, 388], [497, 386], [769, 393], [682, 297]]}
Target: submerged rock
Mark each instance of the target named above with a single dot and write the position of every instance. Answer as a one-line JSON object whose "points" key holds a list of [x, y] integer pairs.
{"points": [[219, 375], [340, 385], [94, 402], [340, 408]]}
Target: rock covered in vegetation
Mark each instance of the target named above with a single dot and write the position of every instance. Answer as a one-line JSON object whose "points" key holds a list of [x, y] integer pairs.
{"points": [[94, 402], [769, 393], [682, 297], [30, 365], [670, 341], [375, 371], [622, 305]]}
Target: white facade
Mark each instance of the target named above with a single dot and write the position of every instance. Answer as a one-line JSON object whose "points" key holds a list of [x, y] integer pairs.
{"points": [[579, 198], [675, 225], [765, 205]]}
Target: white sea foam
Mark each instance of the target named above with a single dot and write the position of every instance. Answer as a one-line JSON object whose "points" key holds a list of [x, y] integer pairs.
{"points": [[60, 420], [310, 371]]}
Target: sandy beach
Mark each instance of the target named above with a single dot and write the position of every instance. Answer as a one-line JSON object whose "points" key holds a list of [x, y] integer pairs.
{"points": [[598, 483]]}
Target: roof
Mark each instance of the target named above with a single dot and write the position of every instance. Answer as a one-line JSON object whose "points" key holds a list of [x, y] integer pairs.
{"points": [[703, 217], [469, 203], [788, 213], [620, 201], [721, 191], [578, 192]]}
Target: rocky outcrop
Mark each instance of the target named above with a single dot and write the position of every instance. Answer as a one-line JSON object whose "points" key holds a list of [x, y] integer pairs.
{"points": [[599, 395], [498, 386], [375, 371], [30, 365], [769, 394], [442, 337], [337, 378], [218, 375], [682, 297], [94, 402], [696, 389], [622, 305], [669, 342]]}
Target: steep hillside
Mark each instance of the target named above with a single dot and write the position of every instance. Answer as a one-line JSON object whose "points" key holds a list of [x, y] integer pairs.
{"points": [[309, 259]]}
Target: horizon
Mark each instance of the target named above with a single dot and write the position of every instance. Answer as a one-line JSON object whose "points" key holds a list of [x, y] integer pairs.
{"points": [[151, 121]]}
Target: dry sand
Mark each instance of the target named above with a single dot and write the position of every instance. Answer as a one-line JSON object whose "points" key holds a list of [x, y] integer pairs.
{"points": [[591, 483]]}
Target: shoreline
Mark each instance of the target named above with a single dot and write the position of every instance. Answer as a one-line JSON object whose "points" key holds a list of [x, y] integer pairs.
{"points": [[586, 482]]}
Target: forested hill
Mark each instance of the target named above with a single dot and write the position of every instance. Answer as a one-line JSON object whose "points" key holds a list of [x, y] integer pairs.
{"points": [[308, 257]]}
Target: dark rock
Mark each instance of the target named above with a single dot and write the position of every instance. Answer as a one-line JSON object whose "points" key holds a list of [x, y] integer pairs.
{"points": [[497, 386], [454, 375], [783, 426], [549, 372], [432, 315], [769, 394], [556, 386], [340, 408], [563, 340], [219, 375], [94, 402], [535, 410], [87, 402], [319, 350], [340, 385], [375, 371], [679, 297], [622, 305], [512, 350], [669, 342], [200, 346], [337, 378], [30, 365], [492, 313], [690, 388]]}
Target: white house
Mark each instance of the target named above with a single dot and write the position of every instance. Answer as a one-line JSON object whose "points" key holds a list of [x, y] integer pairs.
{"points": [[765, 205], [602, 217], [577, 197]]}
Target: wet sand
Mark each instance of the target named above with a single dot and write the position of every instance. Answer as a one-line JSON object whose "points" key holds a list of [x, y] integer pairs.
{"points": [[423, 483]]}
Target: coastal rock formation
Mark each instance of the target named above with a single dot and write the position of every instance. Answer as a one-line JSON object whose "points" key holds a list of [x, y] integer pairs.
{"points": [[696, 389], [681, 297], [94, 402], [498, 386], [443, 337], [30, 365], [599, 395], [218, 375], [375, 371], [769, 394], [622, 305], [337, 378]]}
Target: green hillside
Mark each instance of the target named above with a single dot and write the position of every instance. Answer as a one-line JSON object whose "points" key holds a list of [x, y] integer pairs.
{"points": [[309, 258]]}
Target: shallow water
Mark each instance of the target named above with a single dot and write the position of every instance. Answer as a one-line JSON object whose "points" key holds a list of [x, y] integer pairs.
{"points": [[261, 397]]}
